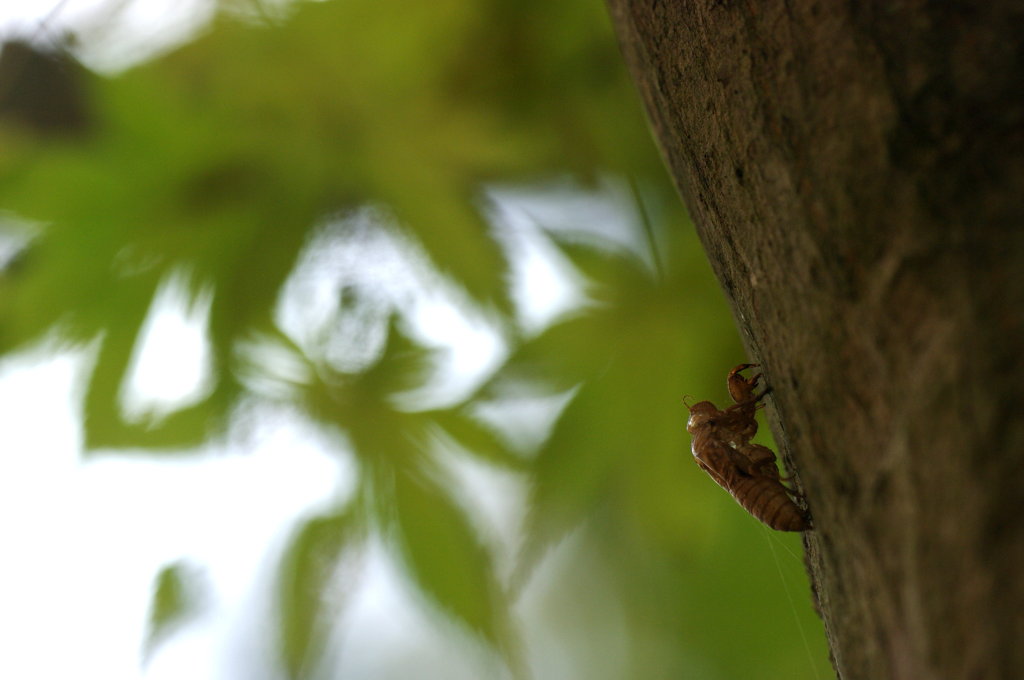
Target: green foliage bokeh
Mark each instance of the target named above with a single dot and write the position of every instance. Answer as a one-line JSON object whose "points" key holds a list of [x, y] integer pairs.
{"points": [[222, 159]]}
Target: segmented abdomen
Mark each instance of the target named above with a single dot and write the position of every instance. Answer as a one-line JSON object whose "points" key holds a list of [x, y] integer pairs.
{"points": [[767, 500]]}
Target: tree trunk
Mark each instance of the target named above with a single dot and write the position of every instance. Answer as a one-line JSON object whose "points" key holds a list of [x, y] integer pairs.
{"points": [[856, 174]]}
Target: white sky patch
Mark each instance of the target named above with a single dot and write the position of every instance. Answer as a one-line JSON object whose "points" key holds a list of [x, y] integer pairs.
{"points": [[357, 273], [389, 629], [172, 365], [544, 283], [471, 348], [15, 236], [110, 35], [523, 416], [605, 216], [350, 278], [83, 540]]}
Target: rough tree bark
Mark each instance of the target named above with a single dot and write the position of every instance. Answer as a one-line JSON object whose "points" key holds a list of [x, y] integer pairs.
{"points": [[856, 173]]}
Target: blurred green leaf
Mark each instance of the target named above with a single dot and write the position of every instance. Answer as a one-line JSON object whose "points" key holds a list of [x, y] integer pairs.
{"points": [[445, 557], [176, 599], [476, 437], [308, 603], [620, 446]]}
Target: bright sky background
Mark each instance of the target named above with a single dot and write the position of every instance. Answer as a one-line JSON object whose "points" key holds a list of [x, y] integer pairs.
{"points": [[83, 539], [141, 29]]}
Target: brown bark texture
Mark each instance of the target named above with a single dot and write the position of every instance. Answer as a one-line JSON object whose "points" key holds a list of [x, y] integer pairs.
{"points": [[856, 174]]}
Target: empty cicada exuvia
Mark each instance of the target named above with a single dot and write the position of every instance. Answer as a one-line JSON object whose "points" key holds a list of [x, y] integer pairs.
{"points": [[722, 447]]}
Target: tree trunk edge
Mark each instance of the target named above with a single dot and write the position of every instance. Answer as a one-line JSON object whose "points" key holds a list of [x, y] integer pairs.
{"points": [[854, 173]]}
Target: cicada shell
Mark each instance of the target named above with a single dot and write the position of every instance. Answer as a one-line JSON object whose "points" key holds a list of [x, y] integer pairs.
{"points": [[722, 448]]}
